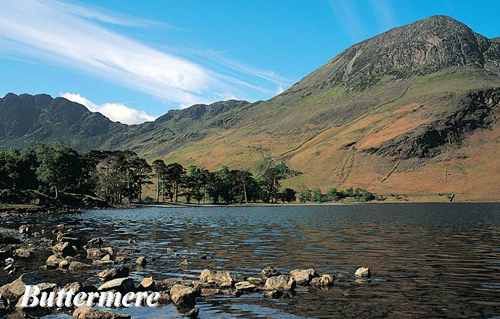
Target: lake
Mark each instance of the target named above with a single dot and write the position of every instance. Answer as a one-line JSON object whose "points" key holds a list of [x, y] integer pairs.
{"points": [[427, 260]]}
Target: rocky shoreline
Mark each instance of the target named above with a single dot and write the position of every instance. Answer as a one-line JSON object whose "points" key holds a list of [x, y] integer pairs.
{"points": [[61, 258]]}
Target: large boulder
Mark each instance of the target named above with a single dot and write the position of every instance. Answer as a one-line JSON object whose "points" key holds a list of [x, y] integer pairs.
{"points": [[78, 266], [303, 276], [141, 261], [73, 241], [280, 283], [53, 261], [91, 313], [14, 290], [216, 277], [147, 284], [122, 285], [183, 296]]}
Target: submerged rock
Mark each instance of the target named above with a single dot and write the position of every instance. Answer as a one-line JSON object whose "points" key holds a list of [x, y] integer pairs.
{"points": [[76, 265], [363, 272]]}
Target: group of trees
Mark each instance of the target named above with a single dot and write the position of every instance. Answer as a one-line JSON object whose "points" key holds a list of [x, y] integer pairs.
{"points": [[334, 195], [119, 176]]}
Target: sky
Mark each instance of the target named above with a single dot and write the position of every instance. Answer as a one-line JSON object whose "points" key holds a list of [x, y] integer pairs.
{"points": [[135, 60]]}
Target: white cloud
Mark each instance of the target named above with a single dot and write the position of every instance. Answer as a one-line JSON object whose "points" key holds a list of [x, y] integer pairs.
{"points": [[73, 36], [279, 90], [117, 112]]}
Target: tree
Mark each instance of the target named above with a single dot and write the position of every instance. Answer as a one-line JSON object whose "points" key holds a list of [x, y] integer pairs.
{"points": [[332, 195], [306, 196], [271, 184], [195, 182], [175, 174], [141, 173], [59, 166], [288, 195], [317, 196], [159, 168]]}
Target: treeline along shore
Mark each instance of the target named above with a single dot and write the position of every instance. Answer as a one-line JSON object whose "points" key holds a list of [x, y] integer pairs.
{"points": [[58, 176]]}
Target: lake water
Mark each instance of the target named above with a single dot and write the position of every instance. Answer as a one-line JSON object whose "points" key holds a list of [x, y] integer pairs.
{"points": [[427, 260]]}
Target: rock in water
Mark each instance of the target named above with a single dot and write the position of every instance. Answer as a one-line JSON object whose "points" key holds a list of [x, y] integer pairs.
{"points": [[303, 276], [183, 296], [363, 272], [122, 285], [245, 286], [141, 261], [323, 281], [147, 284], [270, 272], [64, 250], [216, 277], [113, 273], [91, 313], [281, 283]]}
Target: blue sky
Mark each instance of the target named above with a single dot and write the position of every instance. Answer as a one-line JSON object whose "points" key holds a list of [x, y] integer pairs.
{"points": [[135, 60]]}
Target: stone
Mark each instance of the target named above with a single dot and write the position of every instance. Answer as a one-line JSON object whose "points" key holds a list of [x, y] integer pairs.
{"points": [[108, 250], [303, 276], [131, 241], [147, 284], [244, 286], [256, 280], [205, 292], [64, 250], [14, 290], [113, 273], [170, 250], [26, 230], [22, 253], [77, 287], [92, 313], [270, 272], [96, 241], [106, 258], [53, 261], [281, 283], [122, 285], [73, 241], [183, 296], [363, 272], [216, 277], [184, 263], [122, 259], [272, 294], [141, 261], [323, 281], [96, 253], [64, 264], [167, 284], [192, 313], [164, 298], [76, 265]]}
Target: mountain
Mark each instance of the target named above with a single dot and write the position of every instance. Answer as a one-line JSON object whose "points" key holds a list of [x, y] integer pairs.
{"points": [[411, 111]]}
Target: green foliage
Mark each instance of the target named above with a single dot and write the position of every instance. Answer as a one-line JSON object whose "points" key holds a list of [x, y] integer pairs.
{"points": [[306, 196], [288, 195]]}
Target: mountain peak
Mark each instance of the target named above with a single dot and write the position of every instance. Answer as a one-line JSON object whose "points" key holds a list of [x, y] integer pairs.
{"points": [[423, 47]]}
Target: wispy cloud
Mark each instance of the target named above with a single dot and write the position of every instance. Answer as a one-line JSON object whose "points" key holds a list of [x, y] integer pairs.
{"points": [[69, 35], [117, 112], [347, 14], [384, 14]]}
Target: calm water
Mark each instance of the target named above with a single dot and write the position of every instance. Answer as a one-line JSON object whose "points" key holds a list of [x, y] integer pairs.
{"points": [[428, 260]]}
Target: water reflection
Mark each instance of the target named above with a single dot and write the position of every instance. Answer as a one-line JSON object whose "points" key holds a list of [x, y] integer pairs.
{"points": [[428, 260]]}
